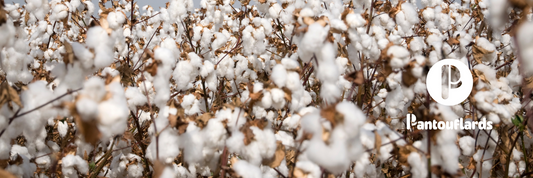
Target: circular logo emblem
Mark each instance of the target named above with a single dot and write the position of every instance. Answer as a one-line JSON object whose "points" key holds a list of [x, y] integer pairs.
{"points": [[455, 95]]}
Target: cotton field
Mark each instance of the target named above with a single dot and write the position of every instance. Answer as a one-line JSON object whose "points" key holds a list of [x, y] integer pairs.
{"points": [[262, 88]]}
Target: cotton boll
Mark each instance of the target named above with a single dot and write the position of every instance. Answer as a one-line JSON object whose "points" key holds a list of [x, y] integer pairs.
{"points": [[274, 10], [353, 117], [167, 139], [87, 109], [72, 164], [116, 19], [247, 170], [134, 97], [498, 13], [99, 40], [410, 13], [207, 68], [293, 82], [112, 117], [279, 75], [277, 98], [525, 42], [289, 63], [83, 54], [113, 113], [190, 104], [489, 47], [182, 74], [466, 144], [193, 140], [355, 20], [38, 7], [400, 56], [266, 100], [94, 89], [166, 56], [418, 167], [59, 12], [286, 138], [312, 41]]}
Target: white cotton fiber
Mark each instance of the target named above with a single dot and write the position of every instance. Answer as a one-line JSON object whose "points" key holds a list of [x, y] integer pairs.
{"points": [[418, 167], [99, 40], [87, 109], [279, 75], [247, 170]]}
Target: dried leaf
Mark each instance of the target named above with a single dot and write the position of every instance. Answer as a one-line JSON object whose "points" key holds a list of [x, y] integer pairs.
{"points": [[288, 94], [203, 119], [256, 96], [331, 114], [159, 167], [403, 153], [453, 41], [87, 128], [408, 78], [8, 95], [68, 56], [152, 68], [3, 15], [478, 53], [279, 155], [480, 75], [299, 173], [5, 174], [308, 20], [355, 77]]}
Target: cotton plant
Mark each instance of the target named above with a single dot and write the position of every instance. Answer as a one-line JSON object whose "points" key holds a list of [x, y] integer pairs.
{"points": [[267, 89]]}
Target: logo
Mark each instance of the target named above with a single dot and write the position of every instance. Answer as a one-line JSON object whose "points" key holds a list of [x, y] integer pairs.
{"points": [[411, 124], [455, 95]]}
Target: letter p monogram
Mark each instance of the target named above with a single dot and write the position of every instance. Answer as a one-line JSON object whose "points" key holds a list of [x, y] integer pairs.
{"points": [[455, 95]]}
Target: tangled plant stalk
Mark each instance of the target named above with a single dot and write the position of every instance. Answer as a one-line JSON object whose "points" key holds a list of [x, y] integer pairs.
{"points": [[290, 88]]}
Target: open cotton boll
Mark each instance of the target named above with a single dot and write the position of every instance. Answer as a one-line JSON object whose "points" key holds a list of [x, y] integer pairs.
{"points": [[167, 139], [115, 19], [489, 47], [355, 20], [354, 118], [84, 55], [525, 42], [467, 145], [410, 12], [99, 40], [87, 109], [59, 12], [266, 100], [62, 128], [190, 104], [194, 143], [400, 56], [72, 165], [312, 41], [247, 170], [39, 8], [219, 42], [135, 98], [113, 113], [289, 63], [94, 89], [418, 167], [328, 71], [279, 75], [182, 74], [498, 13]]}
